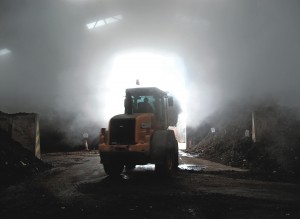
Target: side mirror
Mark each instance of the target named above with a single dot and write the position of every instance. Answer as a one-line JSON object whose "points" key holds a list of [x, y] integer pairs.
{"points": [[103, 131], [103, 136], [170, 101]]}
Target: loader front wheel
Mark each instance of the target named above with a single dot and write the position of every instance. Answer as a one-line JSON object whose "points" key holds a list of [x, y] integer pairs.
{"points": [[166, 168], [113, 169]]}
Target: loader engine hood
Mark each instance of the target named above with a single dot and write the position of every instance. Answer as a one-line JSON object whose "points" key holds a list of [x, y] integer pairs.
{"points": [[124, 128]]}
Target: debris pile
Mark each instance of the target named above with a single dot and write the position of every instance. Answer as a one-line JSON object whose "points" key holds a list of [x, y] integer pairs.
{"points": [[16, 162], [275, 151]]}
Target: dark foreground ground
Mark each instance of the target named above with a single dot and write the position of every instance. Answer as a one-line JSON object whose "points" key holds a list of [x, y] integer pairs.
{"points": [[77, 187]]}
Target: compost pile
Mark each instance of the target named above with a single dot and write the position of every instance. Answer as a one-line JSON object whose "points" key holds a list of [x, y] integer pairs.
{"points": [[277, 133], [16, 162]]}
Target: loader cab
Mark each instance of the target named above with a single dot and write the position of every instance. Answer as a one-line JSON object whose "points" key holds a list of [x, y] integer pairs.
{"points": [[148, 100]]}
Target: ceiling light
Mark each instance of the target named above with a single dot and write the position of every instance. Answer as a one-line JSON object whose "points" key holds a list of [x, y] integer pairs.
{"points": [[104, 22]]}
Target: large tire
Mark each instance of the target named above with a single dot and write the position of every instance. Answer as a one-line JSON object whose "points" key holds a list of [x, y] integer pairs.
{"points": [[113, 169], [164, 150], [129, 167], [175, 148], [176, 161], [167, 167]]}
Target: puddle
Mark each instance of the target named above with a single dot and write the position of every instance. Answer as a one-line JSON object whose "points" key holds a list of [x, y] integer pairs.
{"points": [[145, 167], [181, 153], [151, 167], [192, 167]]}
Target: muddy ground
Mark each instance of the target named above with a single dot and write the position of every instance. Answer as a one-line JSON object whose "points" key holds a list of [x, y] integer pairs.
{"points": [[77, 187]]}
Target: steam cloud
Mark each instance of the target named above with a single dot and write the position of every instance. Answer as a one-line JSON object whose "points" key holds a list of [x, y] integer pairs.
{"points": [[234, 50]]}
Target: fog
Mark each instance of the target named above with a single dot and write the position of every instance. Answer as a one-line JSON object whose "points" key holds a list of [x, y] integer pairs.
{"points": [[232, 50]]}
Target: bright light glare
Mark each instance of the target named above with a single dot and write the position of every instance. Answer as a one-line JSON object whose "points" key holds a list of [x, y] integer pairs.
{"points": [[4, 51], [152, 69]]}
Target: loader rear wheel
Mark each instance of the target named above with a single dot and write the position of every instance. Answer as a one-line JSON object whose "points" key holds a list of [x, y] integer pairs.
{"points": [[113, 169]]}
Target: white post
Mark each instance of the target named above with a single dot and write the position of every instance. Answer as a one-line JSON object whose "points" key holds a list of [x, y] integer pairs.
{"points": [[85, 137], [253, 128]]}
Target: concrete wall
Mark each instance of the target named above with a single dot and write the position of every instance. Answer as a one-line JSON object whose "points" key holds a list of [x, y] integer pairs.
{"points": [[23, 128]]}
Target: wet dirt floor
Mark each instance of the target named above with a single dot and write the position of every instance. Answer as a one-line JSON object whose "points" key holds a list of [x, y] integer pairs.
{"points": [[77, 187]]}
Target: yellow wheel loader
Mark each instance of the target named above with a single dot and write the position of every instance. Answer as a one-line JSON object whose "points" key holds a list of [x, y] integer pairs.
{"points": [[141, 136]]}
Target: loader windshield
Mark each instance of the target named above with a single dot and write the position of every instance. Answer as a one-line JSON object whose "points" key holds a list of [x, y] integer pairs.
{"points": [[145, 100], [144, 104]]}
